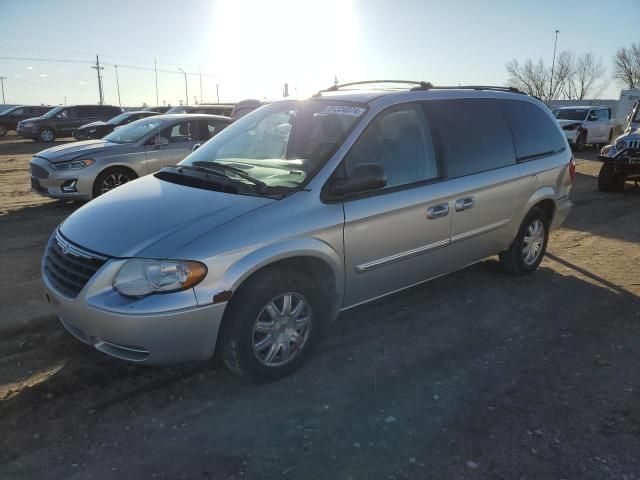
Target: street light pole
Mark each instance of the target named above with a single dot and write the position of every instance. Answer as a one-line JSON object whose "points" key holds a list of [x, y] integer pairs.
{"points": [[118, 84], [553, 64], [2, 79], [186, 92], [200, 84]]}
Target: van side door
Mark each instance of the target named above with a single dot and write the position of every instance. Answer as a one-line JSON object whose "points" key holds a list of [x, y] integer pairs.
{"points": [[394, 236], [476, 148]]}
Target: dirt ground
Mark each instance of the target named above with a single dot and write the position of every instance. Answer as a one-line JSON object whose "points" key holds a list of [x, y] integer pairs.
{"points": [[476, 375]]}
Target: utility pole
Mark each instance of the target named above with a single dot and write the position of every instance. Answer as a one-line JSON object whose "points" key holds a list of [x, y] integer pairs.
{"points": [[186, 92], [200, 71], [285, 90], [98, 68], [118, 84], [65, 101], [335, 80], [2, 79], [217, 93], [553, 64], [155, 68]]}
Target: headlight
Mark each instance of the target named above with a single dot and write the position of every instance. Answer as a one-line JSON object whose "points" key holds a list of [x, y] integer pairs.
{"points": [[140, 277], [27, 124], [72, 165], [621, 145], [571, 126], [605, 150]]}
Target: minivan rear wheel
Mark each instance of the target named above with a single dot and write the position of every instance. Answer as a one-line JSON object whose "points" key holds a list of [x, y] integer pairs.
{"points": [[528, 249], [46, 135], [271, 324]]}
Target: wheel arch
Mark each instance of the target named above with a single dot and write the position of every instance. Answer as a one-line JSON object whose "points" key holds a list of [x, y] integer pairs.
{"points": [[544, 197], [310, 256]]}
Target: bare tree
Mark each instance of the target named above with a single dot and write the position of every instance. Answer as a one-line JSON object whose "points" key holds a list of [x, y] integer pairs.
{"points": [[626, 66], [584, 77], [573, 77], [531, 78]]}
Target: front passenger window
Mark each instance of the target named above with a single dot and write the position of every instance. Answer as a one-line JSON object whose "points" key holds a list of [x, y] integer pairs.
{"points": [[181, 132], [399, 140]]}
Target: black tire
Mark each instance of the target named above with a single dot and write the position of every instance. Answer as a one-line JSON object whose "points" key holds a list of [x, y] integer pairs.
{"points": [[609, 180], [247, 307], [513, 259], [46, 135], [121, 176], [37, 140], [3, 130], [581, 142]]}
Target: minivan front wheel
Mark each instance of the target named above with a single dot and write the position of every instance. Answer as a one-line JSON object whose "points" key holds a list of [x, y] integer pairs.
{"points": [[271, 324], [528, 248], [46, 135]]}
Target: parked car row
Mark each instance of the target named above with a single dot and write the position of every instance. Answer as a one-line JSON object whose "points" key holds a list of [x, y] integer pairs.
{"points": [[299, 210], [10, 118]]}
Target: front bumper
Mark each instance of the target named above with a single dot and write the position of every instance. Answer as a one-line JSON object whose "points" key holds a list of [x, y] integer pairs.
{"points": [[155, 330], [50, 183], [26, 132], [563, 207]]}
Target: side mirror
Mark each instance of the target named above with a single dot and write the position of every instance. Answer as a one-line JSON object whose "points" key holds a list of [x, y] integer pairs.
{"points": [[196, 146], [365, 177], [160, 140]]}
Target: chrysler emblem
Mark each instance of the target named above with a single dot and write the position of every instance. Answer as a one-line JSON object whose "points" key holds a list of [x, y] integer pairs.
{"points": [[65, 248]]}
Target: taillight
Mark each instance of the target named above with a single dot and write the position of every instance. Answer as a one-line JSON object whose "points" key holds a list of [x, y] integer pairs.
{"points": [[572, 169]]}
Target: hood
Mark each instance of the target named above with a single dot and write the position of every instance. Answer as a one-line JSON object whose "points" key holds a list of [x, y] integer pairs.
{"points": [[153, 218], [568, 122], [92, 124], [69, 151]]}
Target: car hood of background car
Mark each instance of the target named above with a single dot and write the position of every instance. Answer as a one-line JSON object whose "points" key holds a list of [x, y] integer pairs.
{"points": [[92, 124], [153, 218], [71, 151], [568, 122]]}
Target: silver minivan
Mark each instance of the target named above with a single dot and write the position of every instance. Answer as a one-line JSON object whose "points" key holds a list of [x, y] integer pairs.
{"points": [[303, 209]]}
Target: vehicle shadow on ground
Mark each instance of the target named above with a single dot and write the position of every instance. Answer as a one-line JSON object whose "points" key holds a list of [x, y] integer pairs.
{"points": [[469, 337]]}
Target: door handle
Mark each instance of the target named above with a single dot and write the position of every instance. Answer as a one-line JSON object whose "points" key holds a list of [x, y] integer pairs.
{"points": [[465, 204], [438, 211]]}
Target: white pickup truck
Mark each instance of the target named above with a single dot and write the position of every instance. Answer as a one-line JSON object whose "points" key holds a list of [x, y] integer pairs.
{"points": [[585, 125]]}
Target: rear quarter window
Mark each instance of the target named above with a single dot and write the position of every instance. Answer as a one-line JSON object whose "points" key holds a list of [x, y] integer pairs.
{"points": [[472, 135], [535, 134]]}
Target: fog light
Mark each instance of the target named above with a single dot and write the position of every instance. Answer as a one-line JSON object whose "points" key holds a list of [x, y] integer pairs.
{"points": [[69, 186]]}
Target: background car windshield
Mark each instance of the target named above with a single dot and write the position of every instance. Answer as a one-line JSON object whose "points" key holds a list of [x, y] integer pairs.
{"points": [[134, 131], [177, 109], [53, 112], [282, 144], [117, 119], [636, 117], [571, 113]]}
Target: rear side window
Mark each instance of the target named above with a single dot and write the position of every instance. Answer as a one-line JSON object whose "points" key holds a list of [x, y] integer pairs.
{"points": [[473, 135], [603, 114], [534, 133]]}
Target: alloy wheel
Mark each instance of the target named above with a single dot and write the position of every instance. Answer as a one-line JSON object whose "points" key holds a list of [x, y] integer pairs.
{"points": [[112, 181], [282, 329], [46, 135], [533, 242]]}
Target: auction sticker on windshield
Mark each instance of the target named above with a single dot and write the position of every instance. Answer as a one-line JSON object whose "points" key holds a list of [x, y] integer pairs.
{"points": [[344, 110]]}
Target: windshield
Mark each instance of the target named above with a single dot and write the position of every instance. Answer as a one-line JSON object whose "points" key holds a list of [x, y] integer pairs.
{"points": [[8, 110], [134, 131], [53, 112], [177, 109], [118, 118], [282, 144], [571, 113]]}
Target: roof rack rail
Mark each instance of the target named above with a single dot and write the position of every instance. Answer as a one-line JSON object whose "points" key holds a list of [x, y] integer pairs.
{"points": [[420, 85]]}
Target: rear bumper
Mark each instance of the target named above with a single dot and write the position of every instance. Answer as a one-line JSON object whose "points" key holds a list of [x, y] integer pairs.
{"points": [[563, 207]]}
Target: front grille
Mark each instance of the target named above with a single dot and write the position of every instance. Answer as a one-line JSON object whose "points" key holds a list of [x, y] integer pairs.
{"points": [[38, 172], [634, 144], [69, 267]]}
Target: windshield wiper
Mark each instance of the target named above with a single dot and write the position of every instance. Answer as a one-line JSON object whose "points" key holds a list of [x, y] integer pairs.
{"points": [[217, 166]]}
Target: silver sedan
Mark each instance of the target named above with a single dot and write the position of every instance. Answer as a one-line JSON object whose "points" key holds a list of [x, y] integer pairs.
{"points": [[84, 170]]}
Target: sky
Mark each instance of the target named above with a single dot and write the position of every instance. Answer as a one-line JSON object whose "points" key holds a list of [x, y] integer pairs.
{"points": [[250, 48]]}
